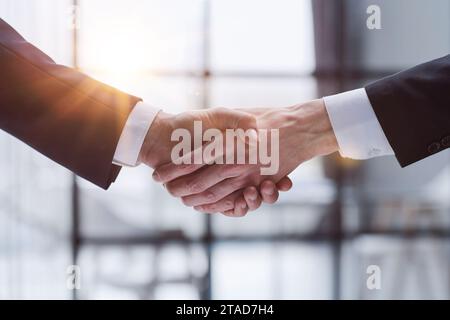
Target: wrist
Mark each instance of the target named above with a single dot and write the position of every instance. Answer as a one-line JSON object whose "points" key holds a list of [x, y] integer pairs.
{"points": [[312, 120], [157, 141]]}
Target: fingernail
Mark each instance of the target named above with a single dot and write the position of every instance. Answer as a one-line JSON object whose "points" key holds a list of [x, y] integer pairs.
{"points": [[156, 176], [269, 191], [252, 196]]}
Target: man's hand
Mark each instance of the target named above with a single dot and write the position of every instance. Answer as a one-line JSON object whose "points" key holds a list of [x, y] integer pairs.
{"points": [[158, 146], [304, 132]]}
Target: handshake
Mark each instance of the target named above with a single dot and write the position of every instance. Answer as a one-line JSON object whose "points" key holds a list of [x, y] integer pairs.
{"points": [[215, 160], [230, 161]]}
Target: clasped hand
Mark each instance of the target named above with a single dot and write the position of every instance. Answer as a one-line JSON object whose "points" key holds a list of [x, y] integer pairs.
{"points": [[235, 187]]}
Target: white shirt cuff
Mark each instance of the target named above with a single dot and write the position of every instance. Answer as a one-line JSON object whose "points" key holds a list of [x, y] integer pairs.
{"points": [[133, 134], [355, 125]]}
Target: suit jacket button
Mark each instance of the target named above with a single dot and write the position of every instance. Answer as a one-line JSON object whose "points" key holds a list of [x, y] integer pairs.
{"points": [[446, 142], [434, 147]]}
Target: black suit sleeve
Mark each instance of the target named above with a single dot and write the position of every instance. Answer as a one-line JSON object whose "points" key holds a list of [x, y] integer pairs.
{"points": [[62, 113], [413, 108]]}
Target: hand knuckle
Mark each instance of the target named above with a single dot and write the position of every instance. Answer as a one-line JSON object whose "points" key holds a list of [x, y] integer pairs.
{"points": [[228, 204], [210, 196]]}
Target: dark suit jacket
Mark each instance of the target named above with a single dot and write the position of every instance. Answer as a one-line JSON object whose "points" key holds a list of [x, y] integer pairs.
{"points": [[67, 116], [413, 108]]}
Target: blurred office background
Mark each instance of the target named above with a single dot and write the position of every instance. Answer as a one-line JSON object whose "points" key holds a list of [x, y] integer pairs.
{"points": [[135, 241]]}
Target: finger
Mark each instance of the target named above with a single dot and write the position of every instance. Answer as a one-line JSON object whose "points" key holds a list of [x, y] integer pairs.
{"points": [[228, 213], [269, 191], [222, 205], [202, 180], [184, 165], [240, 208], [171, 171], [223, 119], [215, 193], [285, 184], [252, 198]]}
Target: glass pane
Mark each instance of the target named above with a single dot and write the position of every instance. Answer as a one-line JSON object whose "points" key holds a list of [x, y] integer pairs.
{"points": [[271, 271], [171, 93], [135, 206], [150, 272], [35, 193], [262, 36], [44, 23], [238, 92], [156, 34], [413, 31], [407, 268]]}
